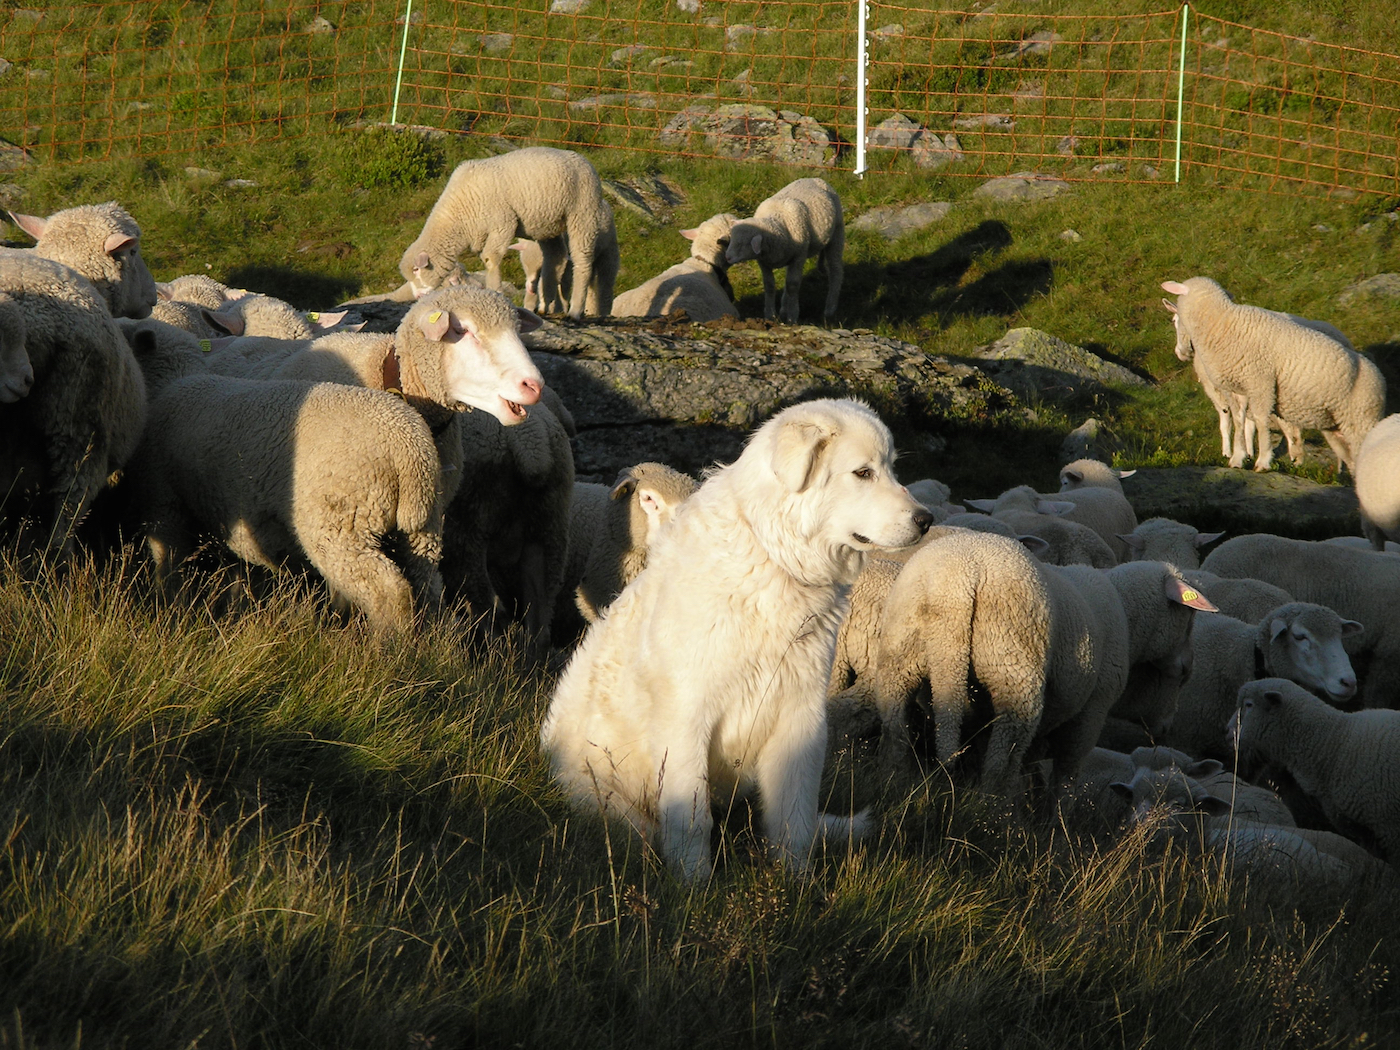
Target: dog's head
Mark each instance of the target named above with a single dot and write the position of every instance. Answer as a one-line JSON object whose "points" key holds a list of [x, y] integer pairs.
{"points": [[829, 466]]}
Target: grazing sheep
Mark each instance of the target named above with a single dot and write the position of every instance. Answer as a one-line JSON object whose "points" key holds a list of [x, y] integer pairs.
{"points": [[102, 243], [1348, 761], [606, 262], [610, 536], [1090, 473], [699, 285], [16, 370], [86, 403], [541, 193], [1278, 367], [1299, 641], [801, 220], [1106, 511], [343, 477], [1161, 539], [1359, 585], [1378, 482]]}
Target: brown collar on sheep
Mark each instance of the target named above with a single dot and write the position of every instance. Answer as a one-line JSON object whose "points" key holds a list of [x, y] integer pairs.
{"points": [[392, 381]]}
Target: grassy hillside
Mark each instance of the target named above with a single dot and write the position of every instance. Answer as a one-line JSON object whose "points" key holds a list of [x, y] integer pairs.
{"points": [[231, 821]]}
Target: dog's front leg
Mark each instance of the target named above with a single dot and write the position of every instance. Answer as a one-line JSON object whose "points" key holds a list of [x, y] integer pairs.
{"points": [[684, 804], [788, 771]]}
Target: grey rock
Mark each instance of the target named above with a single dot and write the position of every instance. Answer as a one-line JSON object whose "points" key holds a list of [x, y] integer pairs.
{"points": [[5, 66], [10, 194], [1240, 501], [742, 131], [670, 62], [648, 196], [1322, 227], [631, 100], [885, 34], [738, 34], [240, 184], [1066, 146], [415, 18], [893, 221], [1037, 365], [1149, 172], [926, 148], [320, 26], [37, 74], [992, 121], [1112, 167], [12, 157], [1030, 89], [1381, 286], [1021, 186], [1040, 43], [497, 41], [1071, 236], [201, 173], [622, 54], [690, 7], [568, 7]]}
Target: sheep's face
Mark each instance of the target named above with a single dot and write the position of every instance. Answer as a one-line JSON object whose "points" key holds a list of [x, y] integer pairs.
{"points": [[103, 243], [1312, 639], [16, 372], [133, 290], [484, 365], [745, 243]]}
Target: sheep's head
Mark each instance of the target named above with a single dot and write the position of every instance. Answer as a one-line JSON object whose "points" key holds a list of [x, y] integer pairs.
{"points": [[1305, 642], [745, 242], [464, 344], [711, 239], [654, 491], [103, 243], [424, 272], [16, 370]]}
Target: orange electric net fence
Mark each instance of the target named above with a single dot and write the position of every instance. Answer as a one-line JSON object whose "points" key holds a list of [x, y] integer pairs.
{"points": [[975, 91]]}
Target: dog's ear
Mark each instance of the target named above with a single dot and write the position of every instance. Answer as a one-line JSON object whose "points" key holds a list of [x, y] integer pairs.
{"points": [[798, 446]]}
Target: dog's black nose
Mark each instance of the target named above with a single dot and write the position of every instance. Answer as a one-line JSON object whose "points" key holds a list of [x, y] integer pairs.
{"points": [[923, 519]]}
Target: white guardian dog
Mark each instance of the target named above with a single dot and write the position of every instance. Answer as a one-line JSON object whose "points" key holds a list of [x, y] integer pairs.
{"points": [[707, 677]]}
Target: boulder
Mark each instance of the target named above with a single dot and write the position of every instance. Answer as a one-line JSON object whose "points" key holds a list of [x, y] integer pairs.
{"points": [[1022, 186], [1240, 501], [1037, 365], [893, 221], [925, 147], [1381, 286], [741, 131]]}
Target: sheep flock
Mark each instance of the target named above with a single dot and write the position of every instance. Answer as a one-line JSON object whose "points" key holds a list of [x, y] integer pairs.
{"points": [[1048, 647]]}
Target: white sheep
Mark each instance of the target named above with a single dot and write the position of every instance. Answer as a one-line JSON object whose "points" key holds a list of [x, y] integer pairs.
{"points": [[699, 285], [606, 262], [1091, 473], [269, 317], [1068, 542], [1359, 585], [1300, 641], [16, 370], [197, 288], [1162, 539], [102, 243], [86, 404], [344, 477], [1348, 761], [610, 536], [801, 220], [541, 193], [1378, 482], [1278, 367]]}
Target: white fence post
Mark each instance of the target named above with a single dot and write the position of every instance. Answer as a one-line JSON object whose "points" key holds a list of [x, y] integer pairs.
{"points": [[862, 63], [403, 50]]}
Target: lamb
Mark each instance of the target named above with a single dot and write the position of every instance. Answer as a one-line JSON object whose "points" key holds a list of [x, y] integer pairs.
{"points": [[1359, 585], [538, 192], [82, 416], [606, 263], [1300, 641], [1069, 542], [610, 536], [801, 220], [103, 244], [1348, 761], [16, 370], [344, 477], [1090, 473], [1278, 367], [1378, 482], [699, 285]]}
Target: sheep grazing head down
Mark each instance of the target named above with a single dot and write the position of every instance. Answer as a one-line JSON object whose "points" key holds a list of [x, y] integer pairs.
{"points": [[481, 361]]}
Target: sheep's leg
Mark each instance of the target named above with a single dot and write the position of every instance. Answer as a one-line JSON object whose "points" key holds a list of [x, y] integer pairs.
{"points": [[419, 554], [169, 542], [1244, 433], [1265, 459], [551, 274], [581, 255], [1017, 691], [492, 253], [1339, 445], [356, 571], [534, 592], [792, 286], [770, 293], [835, 271], [78, 469]]}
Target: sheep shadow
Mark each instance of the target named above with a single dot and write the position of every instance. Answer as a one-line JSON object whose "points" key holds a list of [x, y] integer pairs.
{"points": [[303, 289]]}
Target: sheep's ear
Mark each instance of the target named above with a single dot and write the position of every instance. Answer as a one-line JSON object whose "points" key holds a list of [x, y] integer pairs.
{"points": [[690, 235], [796, 450], [1034, 544], [1202, 538], [1134, 541], [116, 242], [1178, 590], [1122, 790], [1276, 627], [142, 340], [434, 324], [1054, 506], [163, 291], [1273, 698], [1205, 802], [224, 321], [1206, 767], [1126, 473], [323, 321], [1175, 287], [422, 262], [1351, 627], [652, 504], [527, 320], [1070, 477], [520, 246], [625, 485], [986, 506], [1169, 305], [34, 225], [756, 244]]}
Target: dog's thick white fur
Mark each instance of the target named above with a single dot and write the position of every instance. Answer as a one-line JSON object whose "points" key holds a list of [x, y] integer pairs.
{"points": [[707, 677]]}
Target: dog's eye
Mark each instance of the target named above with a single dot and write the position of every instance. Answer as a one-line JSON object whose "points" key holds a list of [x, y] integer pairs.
{"points": [[864, 473]]}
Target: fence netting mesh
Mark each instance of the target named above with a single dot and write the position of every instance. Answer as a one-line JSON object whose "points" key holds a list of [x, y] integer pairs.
{"points": [[973, 92]]}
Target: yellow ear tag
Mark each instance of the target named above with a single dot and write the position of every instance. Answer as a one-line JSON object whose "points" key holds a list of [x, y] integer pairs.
{"points": [[313, 317], [205, 345], [1189, 596], [433, 317]]}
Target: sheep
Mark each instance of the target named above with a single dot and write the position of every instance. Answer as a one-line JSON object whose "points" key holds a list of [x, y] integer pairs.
{"points": [[1090, 473], [86, 404], [699, 285], [1070, 542], [1348, 761], [103, 244], [16, 370], [1162, 539], [606, 262], [267, 317], [1359, 585], [344, 477], [801, 220], [1244, 599], [1278, 367], [1361, 543], [1300, 641], [613, 527], [538, 192], [197, 288], [1377, 477], [187, 316], [979, 523]]}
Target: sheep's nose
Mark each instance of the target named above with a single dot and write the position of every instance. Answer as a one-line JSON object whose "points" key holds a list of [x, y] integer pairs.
{"points": [[922, 519], [1348, 686], [530, 391]]}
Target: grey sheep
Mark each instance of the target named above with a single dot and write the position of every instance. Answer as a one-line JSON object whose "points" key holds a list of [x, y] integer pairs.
{"points": [[1359, 585], [541, 193], [699, 285], [102, 243], [16, 370], [1069, 542], [801, 220], [1162, 539], [344, 478], [86, 405], [1300, 641], [1278, 367]]}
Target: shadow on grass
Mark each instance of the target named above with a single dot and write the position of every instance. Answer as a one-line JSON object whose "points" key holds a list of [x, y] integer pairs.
{"points": [[304, 290]]}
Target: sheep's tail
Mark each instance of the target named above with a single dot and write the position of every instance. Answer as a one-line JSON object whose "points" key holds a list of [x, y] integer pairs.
{"points": [[947, 636]]}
